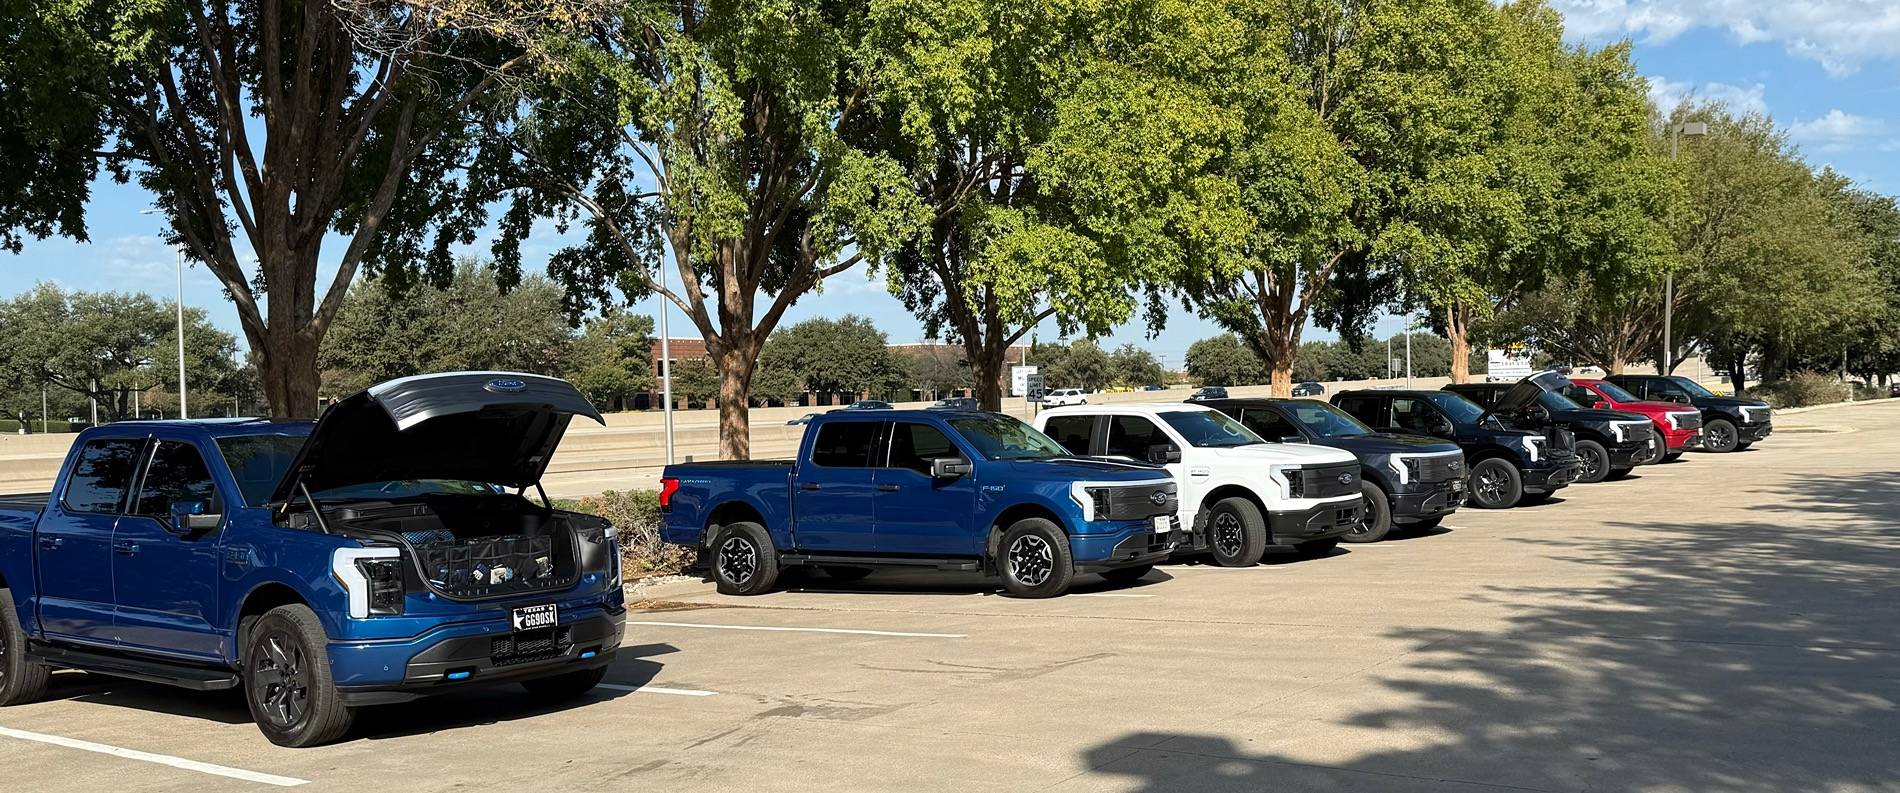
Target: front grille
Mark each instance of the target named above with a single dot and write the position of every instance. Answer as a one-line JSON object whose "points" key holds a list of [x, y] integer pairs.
{"points": [[1638, 434], [1331, 481], [1755, 415], [529, 646], [1688, 420], [1441, 469], [1134, 502]]}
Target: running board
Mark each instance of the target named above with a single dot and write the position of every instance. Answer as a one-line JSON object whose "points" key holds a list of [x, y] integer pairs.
{"points": [[962, 565], [195, 678]]}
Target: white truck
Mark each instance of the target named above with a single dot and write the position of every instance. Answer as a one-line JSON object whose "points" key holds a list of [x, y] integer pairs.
{"points": [[1239, 493]]}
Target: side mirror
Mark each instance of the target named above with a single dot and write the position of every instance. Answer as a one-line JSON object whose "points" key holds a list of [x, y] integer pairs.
{"points": [[1293, 439], [1163, 453], [1441, 427], [949, 467], [189, 517]]}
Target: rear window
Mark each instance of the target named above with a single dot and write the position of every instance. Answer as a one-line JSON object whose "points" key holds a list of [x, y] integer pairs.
{"points": [[845, 444], [101, 476]]}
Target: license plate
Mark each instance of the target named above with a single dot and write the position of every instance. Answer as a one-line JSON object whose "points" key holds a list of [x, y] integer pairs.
{"points": [[529, 618], [1162, 522], [1457, 485]]}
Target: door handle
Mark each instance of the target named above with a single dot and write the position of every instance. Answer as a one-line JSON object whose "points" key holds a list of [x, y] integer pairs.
{"points": [[51, 543], [125, 548], [887, 488], [809, 486]]}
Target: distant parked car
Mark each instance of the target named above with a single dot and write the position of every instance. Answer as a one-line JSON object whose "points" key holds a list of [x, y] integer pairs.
{"points": [[957, 403], [1154, 387], [1894, 390], [1064, 396], [1207, 392], [805, 419], [868, 404], [1308, 389]]}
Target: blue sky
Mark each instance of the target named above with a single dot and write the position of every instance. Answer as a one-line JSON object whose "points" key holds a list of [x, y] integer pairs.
{"points": [[1827, 71]]}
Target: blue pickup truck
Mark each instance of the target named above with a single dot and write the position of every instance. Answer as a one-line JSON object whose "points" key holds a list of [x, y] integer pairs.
{"points": [[385, 552], [947, 489]]}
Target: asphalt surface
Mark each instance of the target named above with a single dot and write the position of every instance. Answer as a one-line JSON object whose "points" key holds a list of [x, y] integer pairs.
{"points": [[1723, 623]]}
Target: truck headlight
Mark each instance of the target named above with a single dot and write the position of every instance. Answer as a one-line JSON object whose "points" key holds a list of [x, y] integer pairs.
{"points": [[372, 577], [1616, 432], [1533, 448], [1087, 498]]}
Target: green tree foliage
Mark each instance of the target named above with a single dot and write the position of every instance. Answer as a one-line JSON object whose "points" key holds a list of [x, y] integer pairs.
{"points": [[1081, 364], [1135, 367], [939, 370], [262, 129], [848, 355], [612, 359], [1224, 361], [1873, 343], [110, 346]]}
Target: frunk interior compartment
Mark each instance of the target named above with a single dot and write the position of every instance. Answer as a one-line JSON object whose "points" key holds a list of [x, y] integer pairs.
{"points": [[479, 546]]}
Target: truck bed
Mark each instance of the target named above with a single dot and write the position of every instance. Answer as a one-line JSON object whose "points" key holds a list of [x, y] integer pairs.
{"points": [[25, 501]]}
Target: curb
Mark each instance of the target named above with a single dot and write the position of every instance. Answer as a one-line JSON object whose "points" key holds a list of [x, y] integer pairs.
{"points": [[1832, 405]]}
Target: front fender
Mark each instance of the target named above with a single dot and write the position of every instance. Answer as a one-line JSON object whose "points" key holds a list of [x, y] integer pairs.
{"points": [[292, 559]]}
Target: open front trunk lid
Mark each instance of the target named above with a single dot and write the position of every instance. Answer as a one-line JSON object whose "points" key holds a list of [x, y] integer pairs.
{"points": [[495, 427], [1526, 391]]}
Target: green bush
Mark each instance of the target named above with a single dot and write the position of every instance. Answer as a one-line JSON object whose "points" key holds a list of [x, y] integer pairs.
{"points": [[1803, 389], [12, 426], [636, 513]]}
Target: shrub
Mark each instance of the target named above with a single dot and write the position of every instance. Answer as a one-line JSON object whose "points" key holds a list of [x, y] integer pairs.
{"points": [[637, 514], [1803, 389]]}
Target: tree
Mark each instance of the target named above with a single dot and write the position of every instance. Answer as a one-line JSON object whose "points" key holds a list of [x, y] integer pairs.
{"points": [[695, 380], [1224, 361], [940, 370], [612, 358], [1872, 344], [847, 355], [1135, 367], [1081, 364], [261, 129]]}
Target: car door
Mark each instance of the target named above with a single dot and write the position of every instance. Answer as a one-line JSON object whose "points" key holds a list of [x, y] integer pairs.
{"points": [[1417, 416], [916, 513], [1076, 432], [1369, 410], [165, 579], [1269, 424], [75, 540], [833, 497]]}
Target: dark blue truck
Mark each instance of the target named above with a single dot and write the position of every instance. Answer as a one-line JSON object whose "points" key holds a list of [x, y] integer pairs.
{"points": [[385, 552], [947, 489]]}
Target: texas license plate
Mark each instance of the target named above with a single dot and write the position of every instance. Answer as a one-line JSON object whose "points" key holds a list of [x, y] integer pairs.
{"points": [[1161, 523], [528, 618], [1457, 485]]}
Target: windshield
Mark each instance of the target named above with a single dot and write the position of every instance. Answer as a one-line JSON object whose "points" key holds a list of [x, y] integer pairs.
{"points": [[1457, 408], [1616, 392], [1005, 438], [1209, 429], [1325, 420], [258, 462], [1694, 388], [1552, 400]]}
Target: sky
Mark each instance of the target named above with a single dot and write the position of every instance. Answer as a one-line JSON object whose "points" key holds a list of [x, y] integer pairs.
{"points": [[1829, 72]]}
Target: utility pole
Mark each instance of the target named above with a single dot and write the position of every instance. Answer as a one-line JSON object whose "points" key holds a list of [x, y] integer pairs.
{"points": [[43, 429], [183, 411], [1408, 357], [1692, 129], [1388, 357], [666, 367]]}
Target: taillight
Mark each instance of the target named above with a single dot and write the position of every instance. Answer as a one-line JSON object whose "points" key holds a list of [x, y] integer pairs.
{"points": [[668, 487]]}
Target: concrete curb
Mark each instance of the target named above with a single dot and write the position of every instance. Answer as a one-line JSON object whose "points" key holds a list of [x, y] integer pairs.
{"points": [[1862, 403]]}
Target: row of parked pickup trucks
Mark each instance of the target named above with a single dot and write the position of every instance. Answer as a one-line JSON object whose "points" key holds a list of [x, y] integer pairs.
{"points": [[401, 545]]}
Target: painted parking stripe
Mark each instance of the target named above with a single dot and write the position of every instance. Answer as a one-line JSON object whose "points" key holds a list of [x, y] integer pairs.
{"points": [[848, 631], [1108, 595], [683, 692], [148, 757]]}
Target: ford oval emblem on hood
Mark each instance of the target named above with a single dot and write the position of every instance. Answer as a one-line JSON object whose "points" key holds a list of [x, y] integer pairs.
{"points": [[505, 386]]}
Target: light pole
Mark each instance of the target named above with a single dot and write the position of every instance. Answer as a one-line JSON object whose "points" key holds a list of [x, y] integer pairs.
{"points": [[183, 411], [1693, 129], [666, 368]]}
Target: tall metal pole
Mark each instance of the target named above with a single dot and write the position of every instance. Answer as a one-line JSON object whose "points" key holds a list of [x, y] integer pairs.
{"points": [[183, 411], [1408, 357], [666, 368], [43, 429]]}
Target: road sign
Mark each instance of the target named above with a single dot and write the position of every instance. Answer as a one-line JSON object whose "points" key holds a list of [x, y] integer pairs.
{"points": [[1507, 365]]}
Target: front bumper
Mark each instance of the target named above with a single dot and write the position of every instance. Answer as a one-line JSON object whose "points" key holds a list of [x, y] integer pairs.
{"points": [[1441, 498], [1630, 455], [1136, 544], [1319, 522], [1550, 478], [1680, 440], [382, 672], [1750, 433]]}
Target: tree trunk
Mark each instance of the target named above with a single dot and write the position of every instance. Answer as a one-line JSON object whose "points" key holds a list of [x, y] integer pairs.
{"points": [[1458, 332], [986, 368], [735, 409], [1616, 364], [287, 365]]}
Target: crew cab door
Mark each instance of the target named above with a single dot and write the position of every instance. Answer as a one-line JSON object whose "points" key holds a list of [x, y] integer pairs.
{"points": [[165, 578], [918, 514], [74, 543], [1418, 416], [1369, 410], [833, 504]]}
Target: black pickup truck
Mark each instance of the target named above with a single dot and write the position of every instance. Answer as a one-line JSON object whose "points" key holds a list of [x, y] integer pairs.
{"points": [[1609, 442], [1409, 481], [1728, 423], [1507, 466]]}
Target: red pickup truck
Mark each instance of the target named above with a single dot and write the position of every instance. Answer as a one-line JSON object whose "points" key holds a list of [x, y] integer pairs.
{"points": [[1680, 425]]}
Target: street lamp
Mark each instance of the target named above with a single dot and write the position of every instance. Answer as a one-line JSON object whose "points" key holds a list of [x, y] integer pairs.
{"points": [[184, 412], [666, 366], [1693, 129]]}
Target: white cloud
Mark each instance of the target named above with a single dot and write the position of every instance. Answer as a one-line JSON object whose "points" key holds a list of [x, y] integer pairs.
{"points": [[1667, 94], [1841, 35], [1837, 131]]}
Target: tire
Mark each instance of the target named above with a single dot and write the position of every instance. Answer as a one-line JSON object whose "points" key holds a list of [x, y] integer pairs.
{"points": [[847, 573], [287, 680], [1127, 575], [1034, 559], [1720, 436], [565, 686], [1595, 459], [1236, 532], [1316, 548], [743, 560], [1378, 522], [22, 680], [1495, 484]]}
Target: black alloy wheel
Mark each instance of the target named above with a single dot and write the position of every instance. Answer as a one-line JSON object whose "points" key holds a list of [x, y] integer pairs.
{"points": [[1495, 484], [1031, 561], [738, 559], [744, 561], [1595, 460], [1720, 436], [280, 678], [1227, 538]]}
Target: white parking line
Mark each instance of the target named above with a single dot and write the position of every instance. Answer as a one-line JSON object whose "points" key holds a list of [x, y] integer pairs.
{"points": [[148, 757], [684, 692], [1109, 595], [850, 631]]}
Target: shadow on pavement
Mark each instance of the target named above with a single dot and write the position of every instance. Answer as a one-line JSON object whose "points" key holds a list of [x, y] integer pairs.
{"points": [[502, 702], [1754, 655]]}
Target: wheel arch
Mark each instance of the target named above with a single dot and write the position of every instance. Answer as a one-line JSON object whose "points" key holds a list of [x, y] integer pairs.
{"points": [[1008, 517], [1227, 491], [258, 602], [730, 512]]}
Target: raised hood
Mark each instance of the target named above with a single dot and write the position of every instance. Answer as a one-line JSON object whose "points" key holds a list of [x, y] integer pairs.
{"points": [[498, 427], [1526, 391]]}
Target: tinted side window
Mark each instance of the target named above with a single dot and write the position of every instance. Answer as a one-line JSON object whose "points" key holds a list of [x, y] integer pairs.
{"points": [[1269, 424], [1130, 436], [913, 446], [1071, 431], [845, 444], [1582, 396], [1412, 415], [1365, 409], [1661, 388], [101, 476], [177, 473]]}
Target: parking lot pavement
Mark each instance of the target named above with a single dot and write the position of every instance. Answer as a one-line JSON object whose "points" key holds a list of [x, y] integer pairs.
{"points": [[1721, 623]]}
